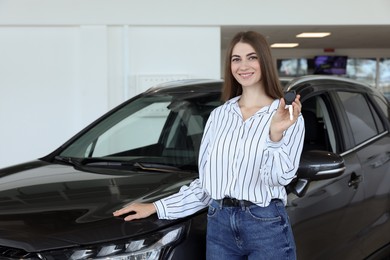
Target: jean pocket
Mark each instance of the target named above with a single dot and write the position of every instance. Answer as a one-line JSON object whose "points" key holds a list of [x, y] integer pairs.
{"points": [[264, 213]]}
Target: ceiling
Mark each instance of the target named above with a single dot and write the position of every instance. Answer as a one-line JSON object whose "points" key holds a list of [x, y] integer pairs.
{"points": [[342, 37]]}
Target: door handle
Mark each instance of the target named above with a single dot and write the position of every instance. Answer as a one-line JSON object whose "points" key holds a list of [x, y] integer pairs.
{"points": [[355, 180]]}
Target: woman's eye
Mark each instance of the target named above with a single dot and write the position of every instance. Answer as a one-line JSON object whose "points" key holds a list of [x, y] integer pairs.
{"points": [[252, 58], [235, 59]]}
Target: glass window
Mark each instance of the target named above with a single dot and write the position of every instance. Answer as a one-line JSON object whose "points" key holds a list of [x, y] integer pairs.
{"points": [[319, 131], [126, 135], [362, 70], [384, 77], [383, 106], [360, 116], [292, 67], [157, 128]]}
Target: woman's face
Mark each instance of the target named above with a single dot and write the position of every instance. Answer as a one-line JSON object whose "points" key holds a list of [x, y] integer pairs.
{"points": [[245, 65]]}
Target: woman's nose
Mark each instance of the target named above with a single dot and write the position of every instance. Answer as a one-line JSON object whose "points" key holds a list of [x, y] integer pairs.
{"points": [[244, 64]]}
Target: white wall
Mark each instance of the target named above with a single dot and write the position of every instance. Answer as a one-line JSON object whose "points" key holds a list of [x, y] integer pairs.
{"points": [[37, 84], [42, 102], [160, 54]]}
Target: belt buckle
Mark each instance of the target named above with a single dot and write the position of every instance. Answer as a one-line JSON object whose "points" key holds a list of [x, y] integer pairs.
{"points": [[236, 202], [233, 202]]}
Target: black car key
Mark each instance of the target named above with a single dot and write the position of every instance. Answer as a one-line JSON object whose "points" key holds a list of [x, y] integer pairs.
{"points": [[289, 97]]}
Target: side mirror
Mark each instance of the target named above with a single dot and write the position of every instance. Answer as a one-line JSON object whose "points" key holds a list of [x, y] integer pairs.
{"points": [[316, 165]]}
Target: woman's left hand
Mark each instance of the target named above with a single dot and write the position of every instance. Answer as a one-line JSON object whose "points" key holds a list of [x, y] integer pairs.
{"points": [[281, 120]]}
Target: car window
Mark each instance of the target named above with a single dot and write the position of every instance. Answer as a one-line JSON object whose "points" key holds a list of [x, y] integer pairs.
{"points": [[383, 106], [379, 125], [319, 129], [161, 129], [361, 115], [126, 134]]}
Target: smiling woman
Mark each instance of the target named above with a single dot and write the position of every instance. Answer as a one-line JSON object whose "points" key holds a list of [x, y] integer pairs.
{"points": [[259, 124]]}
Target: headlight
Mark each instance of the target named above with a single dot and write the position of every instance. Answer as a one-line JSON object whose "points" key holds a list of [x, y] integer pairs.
{"points": [[148, 248]]}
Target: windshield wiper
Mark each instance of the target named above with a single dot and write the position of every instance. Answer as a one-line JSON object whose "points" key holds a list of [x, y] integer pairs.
{"points": [[156, 167], [134, 166], [129, 165], [145, 166], [68, 160]]}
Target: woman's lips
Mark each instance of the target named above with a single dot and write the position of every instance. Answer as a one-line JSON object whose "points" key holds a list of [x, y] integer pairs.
{"points": [[246, 75]]}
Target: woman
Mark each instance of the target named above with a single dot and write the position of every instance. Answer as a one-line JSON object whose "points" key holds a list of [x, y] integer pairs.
{"points": [[250, 150]]}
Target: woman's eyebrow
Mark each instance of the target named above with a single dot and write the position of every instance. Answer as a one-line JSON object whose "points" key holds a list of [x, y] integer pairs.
{"points": [[238, 56]]}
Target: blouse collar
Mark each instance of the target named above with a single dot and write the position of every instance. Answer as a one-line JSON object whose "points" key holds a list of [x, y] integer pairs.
{"points": [[268, 109]]}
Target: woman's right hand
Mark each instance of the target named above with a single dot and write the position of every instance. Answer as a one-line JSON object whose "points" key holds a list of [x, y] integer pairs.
{"points": [[281, 120], [138, 210]]}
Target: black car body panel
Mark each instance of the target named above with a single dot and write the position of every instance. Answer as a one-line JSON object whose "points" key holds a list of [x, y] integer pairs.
{"points": [[339, 205], [59, 206]]}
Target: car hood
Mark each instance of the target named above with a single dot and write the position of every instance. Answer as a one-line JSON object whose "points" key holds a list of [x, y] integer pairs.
{"points": [[49, 206]]}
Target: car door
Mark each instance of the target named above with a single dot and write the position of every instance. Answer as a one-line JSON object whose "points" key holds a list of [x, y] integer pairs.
{"points": [[366, 115], [324, 219]]}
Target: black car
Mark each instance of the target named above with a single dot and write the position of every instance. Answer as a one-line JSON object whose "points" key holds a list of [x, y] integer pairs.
{"points": [[60, 206]]}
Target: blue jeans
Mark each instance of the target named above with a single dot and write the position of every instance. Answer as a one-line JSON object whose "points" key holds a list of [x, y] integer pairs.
{"points": [[249, 232]]}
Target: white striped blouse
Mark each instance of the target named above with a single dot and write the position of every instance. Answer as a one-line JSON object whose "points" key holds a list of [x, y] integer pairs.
{"points": [[237, 159]]}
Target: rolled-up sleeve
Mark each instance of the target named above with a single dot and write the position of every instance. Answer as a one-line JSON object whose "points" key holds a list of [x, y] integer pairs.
{"points": [[187, 201]]}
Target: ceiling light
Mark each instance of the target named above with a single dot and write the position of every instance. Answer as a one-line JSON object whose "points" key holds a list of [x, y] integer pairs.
{"points": [[284, 45], [313, 34]]}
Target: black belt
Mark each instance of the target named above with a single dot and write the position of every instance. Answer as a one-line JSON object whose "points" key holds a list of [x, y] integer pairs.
{"points": [[232, 202]]}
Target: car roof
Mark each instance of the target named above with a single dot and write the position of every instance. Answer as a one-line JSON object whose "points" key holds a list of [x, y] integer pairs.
{"points": [[317, 78], [187, 85]]}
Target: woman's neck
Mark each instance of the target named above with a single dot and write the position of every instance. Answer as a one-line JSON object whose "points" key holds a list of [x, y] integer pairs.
{"points": [[254, 97], [252, 100]]}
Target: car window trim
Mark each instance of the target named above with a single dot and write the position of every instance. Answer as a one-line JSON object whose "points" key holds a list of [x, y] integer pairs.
{"points": [[365, 143]]}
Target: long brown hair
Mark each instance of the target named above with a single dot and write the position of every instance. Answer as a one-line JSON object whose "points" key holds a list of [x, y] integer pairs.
{"points": [[269, 74]]}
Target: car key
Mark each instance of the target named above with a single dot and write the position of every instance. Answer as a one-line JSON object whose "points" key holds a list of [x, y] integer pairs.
{"points": [[289, 97]]}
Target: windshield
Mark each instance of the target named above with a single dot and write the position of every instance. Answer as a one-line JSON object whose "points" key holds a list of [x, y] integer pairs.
{"points": [[163, 129]]}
